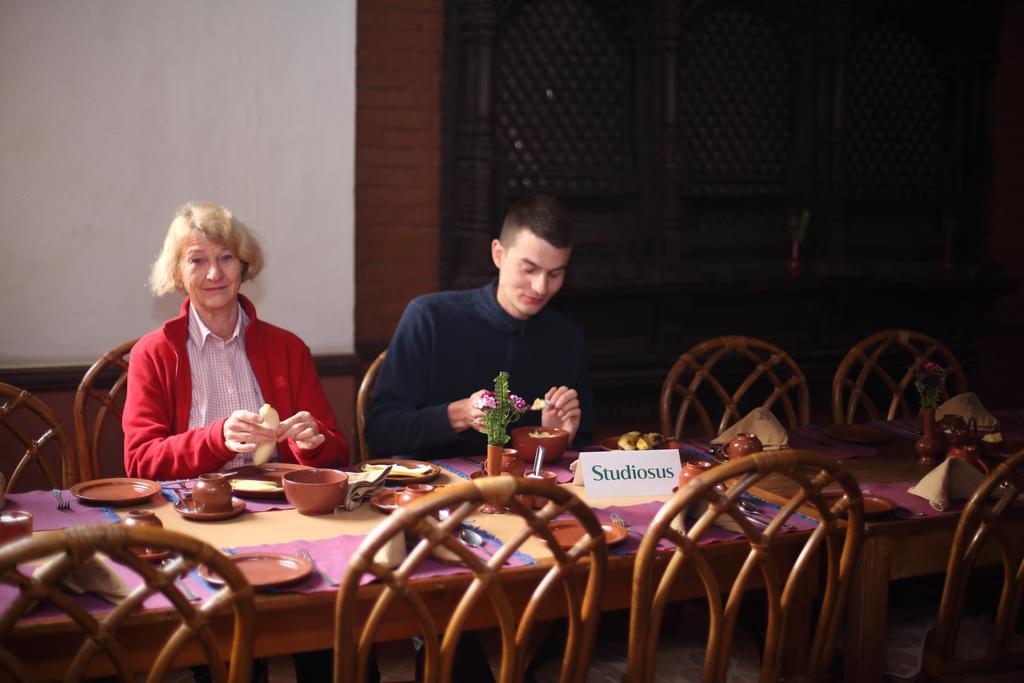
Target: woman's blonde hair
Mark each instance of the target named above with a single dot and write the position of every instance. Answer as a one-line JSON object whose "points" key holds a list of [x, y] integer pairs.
{"points": [[217, 225]]}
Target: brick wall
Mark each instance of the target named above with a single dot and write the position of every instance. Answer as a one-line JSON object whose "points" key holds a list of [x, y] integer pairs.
{"points": [[398, 160]]}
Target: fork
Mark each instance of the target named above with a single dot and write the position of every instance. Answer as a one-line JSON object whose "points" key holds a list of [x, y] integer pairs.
{"points": [[618, 519], [304, 554], [61, 503]]}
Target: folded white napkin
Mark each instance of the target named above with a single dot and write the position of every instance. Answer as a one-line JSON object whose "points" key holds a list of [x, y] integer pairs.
{"points": [[362, 485], [967, 406], [761, 423], [954, 479], [93, 575]]}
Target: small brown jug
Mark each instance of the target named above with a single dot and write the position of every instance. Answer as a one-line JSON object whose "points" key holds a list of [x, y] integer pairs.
{"points": [[743, 444], [413, 492], [212, 493]]}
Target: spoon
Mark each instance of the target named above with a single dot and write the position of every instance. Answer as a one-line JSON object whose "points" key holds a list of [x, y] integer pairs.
{"points": [[473, 539], [538, 460]]}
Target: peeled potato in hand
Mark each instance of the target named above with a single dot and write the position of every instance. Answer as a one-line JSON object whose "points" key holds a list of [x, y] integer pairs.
{"points": [[271, 420]]}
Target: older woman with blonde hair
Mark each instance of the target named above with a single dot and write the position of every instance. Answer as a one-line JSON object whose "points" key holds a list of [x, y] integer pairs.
{"points": [[196, 384]]}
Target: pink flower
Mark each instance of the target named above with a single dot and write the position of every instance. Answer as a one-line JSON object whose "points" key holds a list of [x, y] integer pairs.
{"points": [[485, 401], [931, 367], [517, 403]]}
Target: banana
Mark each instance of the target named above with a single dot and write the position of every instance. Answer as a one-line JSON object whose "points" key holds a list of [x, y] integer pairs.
{"points": [[265, 449], [627, 442], [642, 445]]}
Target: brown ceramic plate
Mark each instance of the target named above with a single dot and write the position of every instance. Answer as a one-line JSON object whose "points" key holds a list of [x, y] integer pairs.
{"points": [[403, 478], [256, 487], [385, 500], [151, 555], [265, 570], [116, 491], [270, 473], [186, 506], [874, 506], [568, 532], [856, 433]]}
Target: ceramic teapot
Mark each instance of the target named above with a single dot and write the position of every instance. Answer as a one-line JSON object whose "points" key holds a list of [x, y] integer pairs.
{"points": [[954, 428], [743, 444]]}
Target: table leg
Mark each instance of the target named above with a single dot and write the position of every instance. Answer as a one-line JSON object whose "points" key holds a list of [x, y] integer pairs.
{"points": [[866, 612]]}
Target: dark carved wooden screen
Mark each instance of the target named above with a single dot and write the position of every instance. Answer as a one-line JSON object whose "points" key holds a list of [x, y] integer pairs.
{"points": [[683, 135]]}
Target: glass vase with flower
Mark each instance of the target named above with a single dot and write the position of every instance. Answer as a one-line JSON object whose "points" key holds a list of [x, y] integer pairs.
{"points": [[930, 382]]}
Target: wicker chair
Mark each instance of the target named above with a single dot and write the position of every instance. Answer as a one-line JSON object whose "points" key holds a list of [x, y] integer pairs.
{"points": [[89, 421], [35, 417], [769, 561], [980, 527], [580, 582], [775, 382], [106, 637], [869, 372], [363, 398]]}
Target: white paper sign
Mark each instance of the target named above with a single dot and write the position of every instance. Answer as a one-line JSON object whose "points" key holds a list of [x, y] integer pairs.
{"points": [[615, 474]]}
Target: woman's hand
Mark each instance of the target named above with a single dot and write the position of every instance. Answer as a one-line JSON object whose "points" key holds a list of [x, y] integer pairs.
{"points": [[244, 429], [561, 409], [302, 428]]}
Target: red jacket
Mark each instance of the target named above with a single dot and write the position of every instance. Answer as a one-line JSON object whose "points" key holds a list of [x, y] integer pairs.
{"points": [[157, 441]]}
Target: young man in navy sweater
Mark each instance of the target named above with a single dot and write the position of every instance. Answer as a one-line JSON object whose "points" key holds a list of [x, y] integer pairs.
{"points": [[449, 346]]}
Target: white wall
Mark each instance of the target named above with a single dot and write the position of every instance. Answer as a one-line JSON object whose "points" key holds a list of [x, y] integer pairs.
{"points": [[113, 113]]}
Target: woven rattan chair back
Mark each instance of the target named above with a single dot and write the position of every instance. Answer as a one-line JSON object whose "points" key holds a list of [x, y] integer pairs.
{"points": [[363, 398], [48, 449], [769, 563], [981, 528], [105, 645], [578, 582], [876, 374], [94, 404], [693, 393]]}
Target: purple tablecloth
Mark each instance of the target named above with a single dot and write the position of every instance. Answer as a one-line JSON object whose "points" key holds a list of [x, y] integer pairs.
{"points": [[46, 516], [173, 493], [464, 467]]}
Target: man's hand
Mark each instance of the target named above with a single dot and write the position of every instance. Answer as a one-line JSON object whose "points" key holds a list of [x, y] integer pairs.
{"points": [[301, 428], [562, 409], [244, 429], [462, 415]]}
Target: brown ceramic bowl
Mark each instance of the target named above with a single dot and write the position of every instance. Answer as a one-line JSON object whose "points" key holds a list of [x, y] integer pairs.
{"points": [[15, 524], [316, 491], [526, 439]]}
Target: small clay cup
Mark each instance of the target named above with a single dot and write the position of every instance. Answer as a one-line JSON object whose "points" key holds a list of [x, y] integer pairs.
{"points": [[141, 518], [743, 444], [525, 441], [693, 468], [14, 524], [316, 491], [547, 475], [212, 494], [413, 492]]}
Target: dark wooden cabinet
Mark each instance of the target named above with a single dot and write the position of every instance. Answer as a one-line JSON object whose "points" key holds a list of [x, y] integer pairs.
{"points": [[683, 136]]}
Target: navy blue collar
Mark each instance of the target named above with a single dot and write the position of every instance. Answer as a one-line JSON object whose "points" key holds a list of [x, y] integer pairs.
{"points": [[485, 300]]}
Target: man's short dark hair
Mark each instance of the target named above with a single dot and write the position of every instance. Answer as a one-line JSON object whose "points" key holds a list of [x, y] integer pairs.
{"points": [[542, 215]]}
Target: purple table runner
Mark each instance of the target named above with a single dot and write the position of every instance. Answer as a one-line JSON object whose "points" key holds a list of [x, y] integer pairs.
{"points": [[173, 493], [46, 516], [464, 467]]}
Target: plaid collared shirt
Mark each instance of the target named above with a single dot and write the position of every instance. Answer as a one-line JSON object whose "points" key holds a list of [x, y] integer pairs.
{"points": [[222, 378]]}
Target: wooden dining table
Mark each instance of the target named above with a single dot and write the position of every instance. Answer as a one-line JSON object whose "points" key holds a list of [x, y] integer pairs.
{"points": [[287, 621], [902, 545]]}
